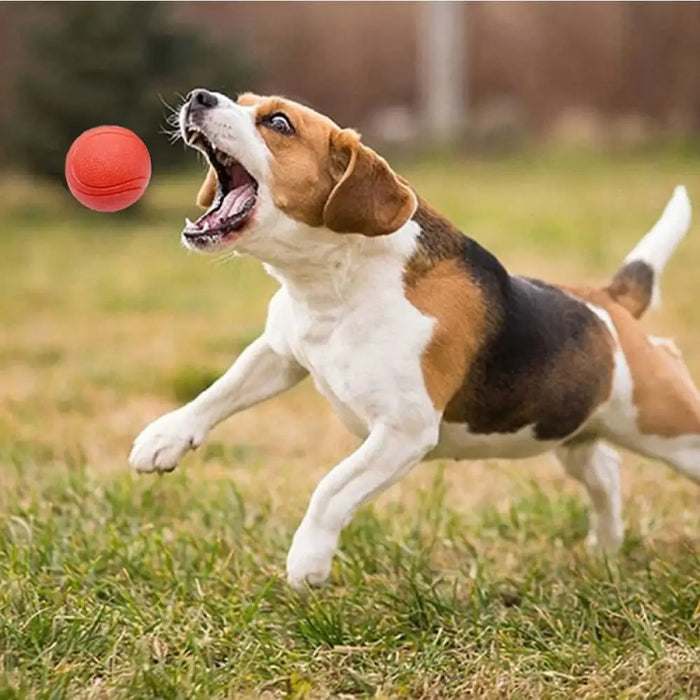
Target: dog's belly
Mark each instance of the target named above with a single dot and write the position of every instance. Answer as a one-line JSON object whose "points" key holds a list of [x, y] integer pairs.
{"points": [[457, 442]]}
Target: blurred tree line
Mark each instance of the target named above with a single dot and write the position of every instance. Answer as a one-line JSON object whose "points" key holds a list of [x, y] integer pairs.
{"points": [[591, 74], [110, 63]]}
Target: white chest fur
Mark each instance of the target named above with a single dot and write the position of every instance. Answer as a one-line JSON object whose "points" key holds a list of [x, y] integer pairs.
{"points": [[344, 317], [350, 325], [342, 314], [364, 358]]}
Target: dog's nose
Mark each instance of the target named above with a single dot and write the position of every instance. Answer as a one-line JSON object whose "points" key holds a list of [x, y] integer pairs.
{"points": [[202, 99]]}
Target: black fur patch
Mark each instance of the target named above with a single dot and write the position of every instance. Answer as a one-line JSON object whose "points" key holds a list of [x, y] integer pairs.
{"points": [[545, 358], [539, 366]]}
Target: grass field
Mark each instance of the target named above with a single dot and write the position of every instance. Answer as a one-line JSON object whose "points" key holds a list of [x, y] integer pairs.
{"points": [[466, 579]]}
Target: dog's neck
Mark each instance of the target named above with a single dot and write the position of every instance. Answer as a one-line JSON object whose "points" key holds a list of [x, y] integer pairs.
{"points": [[321, 268], [439, 240], [317, 273]]}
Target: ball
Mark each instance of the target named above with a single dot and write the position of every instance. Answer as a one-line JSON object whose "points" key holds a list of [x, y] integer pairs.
{"points": [[108, 168]]}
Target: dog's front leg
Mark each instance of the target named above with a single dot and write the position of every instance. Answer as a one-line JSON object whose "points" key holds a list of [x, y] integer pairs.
{"points": [[257, 374], [387, 454]]}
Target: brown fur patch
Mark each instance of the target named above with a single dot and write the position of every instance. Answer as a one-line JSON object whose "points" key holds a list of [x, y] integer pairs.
{"points": [[632, 287], [369, 198], [322, 175], [446, 293], [439, 240], [507, 352], [303, 169], [663, 390]]}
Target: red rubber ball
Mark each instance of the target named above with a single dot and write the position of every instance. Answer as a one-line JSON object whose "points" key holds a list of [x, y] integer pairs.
{"points": [[108, 168]]}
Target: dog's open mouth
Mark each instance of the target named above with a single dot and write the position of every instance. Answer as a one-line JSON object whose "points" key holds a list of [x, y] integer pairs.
{"points": [[235, 200]]}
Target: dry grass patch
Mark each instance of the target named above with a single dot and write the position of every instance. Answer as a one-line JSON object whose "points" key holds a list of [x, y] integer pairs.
{"points": [[466, 579]]}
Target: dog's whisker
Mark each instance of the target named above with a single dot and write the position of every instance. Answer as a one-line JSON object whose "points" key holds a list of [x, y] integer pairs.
{"points": [[225, 258], [173, 135], [168, 106]]}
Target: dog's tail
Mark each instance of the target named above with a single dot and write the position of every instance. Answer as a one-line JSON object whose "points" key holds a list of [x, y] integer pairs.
{"points": [[636, 284]]}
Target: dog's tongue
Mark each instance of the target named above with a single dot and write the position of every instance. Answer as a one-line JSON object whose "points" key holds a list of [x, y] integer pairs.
{"points": [[235, 202]]}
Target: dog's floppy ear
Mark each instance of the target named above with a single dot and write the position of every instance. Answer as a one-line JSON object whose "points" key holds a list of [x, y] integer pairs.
{"points": [[207, 191], [368, 198]]}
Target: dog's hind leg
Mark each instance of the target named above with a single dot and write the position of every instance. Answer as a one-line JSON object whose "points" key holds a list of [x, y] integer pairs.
{"points": [[681, 452], [685, 457], [596, 466], [656, 408]]}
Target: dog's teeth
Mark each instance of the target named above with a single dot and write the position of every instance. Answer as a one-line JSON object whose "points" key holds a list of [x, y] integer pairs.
{"points": [[206, 226], [223, 158], [188, 223]]}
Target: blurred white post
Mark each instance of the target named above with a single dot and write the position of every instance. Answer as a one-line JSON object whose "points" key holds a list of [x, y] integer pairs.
{"points": [[441, 69]]}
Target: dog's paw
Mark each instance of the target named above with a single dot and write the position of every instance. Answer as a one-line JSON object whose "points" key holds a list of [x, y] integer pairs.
{"points": [[605, 538], [310, 558], [161, 445]]}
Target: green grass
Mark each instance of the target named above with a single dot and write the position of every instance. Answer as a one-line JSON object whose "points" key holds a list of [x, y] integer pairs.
{"points": [[175, 589], [463, 580]]}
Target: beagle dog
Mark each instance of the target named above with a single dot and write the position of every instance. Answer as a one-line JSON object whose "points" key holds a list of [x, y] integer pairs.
{"points": [[422, 342]]}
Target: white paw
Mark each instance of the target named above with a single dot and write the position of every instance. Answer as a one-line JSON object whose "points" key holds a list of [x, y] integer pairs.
{"points": [[161, 444], [310, 557], [605, 537]]}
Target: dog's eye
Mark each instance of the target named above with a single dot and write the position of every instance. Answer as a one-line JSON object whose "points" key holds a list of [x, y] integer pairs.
{"points": [[280, 123]]}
